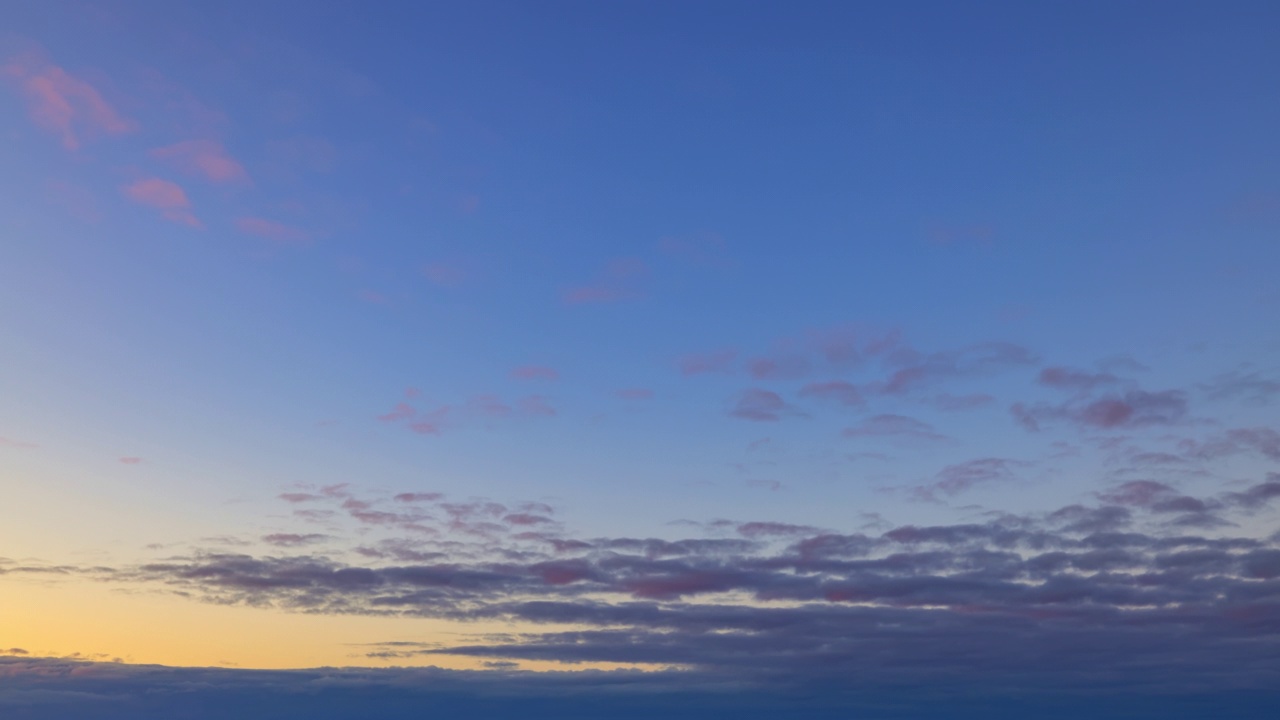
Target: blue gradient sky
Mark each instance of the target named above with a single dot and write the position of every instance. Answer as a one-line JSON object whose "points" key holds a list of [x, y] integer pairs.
{"points": [[636, 272]]}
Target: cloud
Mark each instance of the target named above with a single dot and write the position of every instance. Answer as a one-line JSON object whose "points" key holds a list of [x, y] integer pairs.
{"points": [[444, 274], [432, 423], [18, 444], [893, 426], [1117, 593], [536, 405], [955, 479], [779, 367], [373, 297], [635, 394], [50, 688], [130, 460], [1262, 440], [278, 233], [167, 197], [705, 249], [1251, 388], [1077, 380], [288, 540], [1133, 409], [401, 411], [716, 361], [760, 405], [62, 103], [915, 371], [949, 402], [837, 391], [419, 497], [620, 280], [207, 159], [489, 406], [535, 372]]}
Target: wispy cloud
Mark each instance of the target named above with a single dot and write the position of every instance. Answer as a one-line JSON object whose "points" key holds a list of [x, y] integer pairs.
{"points": [[893, 426], [62, 103], [167, 197], [716, 361], [760, 405], [535, 372], [274, 231], [207, 159], [620, 280]]}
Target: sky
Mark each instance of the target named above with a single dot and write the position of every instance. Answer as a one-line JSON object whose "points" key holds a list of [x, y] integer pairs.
{"points": [[586, 359]]}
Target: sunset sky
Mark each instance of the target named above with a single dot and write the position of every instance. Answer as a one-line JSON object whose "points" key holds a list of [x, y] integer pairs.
{"points": [[685, 359]]}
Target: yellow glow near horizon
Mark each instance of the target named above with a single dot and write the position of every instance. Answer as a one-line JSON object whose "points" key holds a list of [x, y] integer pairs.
{"points": [[99, 622]]}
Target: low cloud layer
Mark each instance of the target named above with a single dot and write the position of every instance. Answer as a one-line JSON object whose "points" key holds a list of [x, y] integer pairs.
{"points": [[1135, 591]]}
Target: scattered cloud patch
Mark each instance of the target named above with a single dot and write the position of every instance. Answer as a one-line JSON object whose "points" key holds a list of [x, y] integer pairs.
{"points": [[535, 372], [276, 232], [893, 426], [167, 197], [760, 405], [207, 159], [63, 104], [620, 280]]}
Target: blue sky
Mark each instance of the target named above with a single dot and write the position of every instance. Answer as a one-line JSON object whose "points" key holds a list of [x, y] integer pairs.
{"points": [[595, 317]]}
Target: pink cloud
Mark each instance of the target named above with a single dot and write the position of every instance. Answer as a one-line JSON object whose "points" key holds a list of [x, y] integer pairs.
{"points": [[293, 539], [526, 519], [1137, 408], [298, 497], [203, 158], [717, 361], [62, 103], [412, 392], [373, 297], [1263, 440], [782, 367], [947, 401], [706, 249], [167, 197], [418, 497], [619, 281], [536, 405], [432, 423], [954, 479], [1139, 493], [890, 425], [1078, 380], [490, 406], [635, 394], [918, 370], [535, 372], [760, 405], [273, 231], [6, 442], [444, 275], [131, 460], [773, 529], [836, 390], [402, 411]]}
